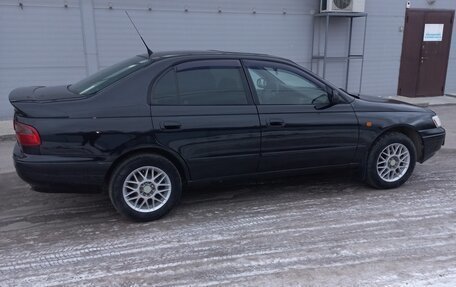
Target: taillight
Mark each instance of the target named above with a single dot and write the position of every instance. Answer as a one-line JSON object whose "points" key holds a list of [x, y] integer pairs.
{"points": [[26, 135]]}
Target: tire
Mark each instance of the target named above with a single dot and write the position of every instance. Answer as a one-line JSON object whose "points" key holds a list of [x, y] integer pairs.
{"points": [[387, 164], [145, 187]]}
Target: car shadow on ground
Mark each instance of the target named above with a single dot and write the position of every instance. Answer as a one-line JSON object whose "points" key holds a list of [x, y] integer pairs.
{"points": [[97, 206], [324, 182]]}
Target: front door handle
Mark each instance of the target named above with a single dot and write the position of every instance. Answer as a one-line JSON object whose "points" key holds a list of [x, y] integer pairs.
{"points": [[170, 125], [276, 122]]}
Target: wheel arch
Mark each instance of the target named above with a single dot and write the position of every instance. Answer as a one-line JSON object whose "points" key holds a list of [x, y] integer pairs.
{"points": [[176, 160], [406, 130]]}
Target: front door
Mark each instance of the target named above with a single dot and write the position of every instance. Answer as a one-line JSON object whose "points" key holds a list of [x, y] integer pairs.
{"points": [[203, 110], [425, 52], [295, 134]]}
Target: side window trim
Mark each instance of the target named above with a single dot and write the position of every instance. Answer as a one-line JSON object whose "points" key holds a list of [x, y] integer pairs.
{"points": [[207, 63], [250, 83], [182, 66]]}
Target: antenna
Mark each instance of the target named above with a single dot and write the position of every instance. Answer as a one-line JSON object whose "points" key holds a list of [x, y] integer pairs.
{"points": [[149, 51]]}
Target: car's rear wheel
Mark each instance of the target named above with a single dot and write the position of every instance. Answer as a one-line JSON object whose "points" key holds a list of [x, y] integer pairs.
{"points": [[145, 187], [391, 161]]}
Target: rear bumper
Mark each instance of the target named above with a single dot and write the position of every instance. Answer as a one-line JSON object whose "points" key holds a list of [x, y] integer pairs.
{"points": [[433, 140], [60, 173]]}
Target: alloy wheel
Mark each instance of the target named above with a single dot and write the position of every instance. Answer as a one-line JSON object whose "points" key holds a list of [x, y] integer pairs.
{"points": [[393, 162], [146, 189]]}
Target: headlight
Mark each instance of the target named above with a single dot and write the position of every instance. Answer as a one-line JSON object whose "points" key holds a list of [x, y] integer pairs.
{"points": [[437, 121]]}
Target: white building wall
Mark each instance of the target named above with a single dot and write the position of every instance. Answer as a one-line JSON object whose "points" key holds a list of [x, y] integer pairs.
{"points": [[39, 45], [46, 43]]}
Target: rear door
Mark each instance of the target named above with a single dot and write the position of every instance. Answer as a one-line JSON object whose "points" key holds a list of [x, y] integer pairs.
{"points": [[294, 133], [203, 110]]}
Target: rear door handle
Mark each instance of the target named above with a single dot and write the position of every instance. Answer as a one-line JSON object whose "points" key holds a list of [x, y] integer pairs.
{"points": [[276, 122], [170, 125]]}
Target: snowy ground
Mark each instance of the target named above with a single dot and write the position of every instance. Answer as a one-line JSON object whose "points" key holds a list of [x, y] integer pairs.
{"points": [[314, 230], [325, 230]]}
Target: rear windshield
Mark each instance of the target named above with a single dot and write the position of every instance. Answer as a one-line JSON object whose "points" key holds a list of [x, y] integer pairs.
{"points": [[107, 76]]}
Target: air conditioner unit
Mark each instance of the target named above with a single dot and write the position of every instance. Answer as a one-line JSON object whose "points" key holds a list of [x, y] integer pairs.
{"points": [[342, 5]]}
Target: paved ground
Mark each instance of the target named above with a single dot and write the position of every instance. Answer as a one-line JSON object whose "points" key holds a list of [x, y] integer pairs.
{"points": [[6, 162], [6, 127], [316, 230], [427, 101]]}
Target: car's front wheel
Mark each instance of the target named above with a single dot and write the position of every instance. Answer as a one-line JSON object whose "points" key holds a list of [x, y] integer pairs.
{"points": [[145, 187], [391, 161]]}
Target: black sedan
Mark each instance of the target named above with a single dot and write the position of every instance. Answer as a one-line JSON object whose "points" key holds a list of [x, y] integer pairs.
{"points": [[150, 125]]}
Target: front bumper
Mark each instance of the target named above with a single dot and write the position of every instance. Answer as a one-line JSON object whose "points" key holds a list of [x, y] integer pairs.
{"points": [[60, 173], [433, 140]]}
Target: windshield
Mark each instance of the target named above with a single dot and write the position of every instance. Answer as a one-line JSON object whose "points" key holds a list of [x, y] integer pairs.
{"points": [[109, 75]]}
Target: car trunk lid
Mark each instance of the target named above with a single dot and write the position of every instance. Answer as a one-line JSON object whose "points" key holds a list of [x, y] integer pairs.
{"points": [[42, 94], [36, 101]]}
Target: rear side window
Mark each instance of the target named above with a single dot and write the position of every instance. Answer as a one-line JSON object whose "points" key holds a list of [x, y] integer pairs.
{"points": [[201, 85], [165, 91], [105, 77]]}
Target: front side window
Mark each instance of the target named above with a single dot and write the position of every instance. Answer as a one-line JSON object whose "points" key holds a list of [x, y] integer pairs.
{"points": [[206, 85], [278, 86], [108, 76]]}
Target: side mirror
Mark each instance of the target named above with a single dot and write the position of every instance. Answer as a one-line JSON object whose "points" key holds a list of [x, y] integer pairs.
{"points": [[322, 106], [261, 83], [323, 101]]}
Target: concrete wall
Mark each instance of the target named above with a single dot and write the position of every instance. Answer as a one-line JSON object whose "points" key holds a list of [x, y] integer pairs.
{"points": [[46, 43]]}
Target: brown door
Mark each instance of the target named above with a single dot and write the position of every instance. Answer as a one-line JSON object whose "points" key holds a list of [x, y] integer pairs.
{"points": [[425, 52]]}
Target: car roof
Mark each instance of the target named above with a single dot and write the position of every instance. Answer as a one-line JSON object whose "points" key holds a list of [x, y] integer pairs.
{"points": [[210, 54]]}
